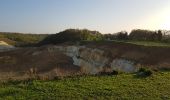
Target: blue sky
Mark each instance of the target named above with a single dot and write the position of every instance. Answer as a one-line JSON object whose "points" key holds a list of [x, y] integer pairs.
{"points": [[106, 16]]}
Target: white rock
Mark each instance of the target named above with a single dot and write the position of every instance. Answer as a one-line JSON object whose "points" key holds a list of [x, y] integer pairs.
{"points": [[123, 65], [93, 60]]}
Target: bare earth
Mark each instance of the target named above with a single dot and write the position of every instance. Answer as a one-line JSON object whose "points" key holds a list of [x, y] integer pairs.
{"points": [[47, 61]]}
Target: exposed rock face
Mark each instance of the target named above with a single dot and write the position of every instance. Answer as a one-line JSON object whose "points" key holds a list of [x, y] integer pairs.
{"points": [[95, 60], [123, 65], [91, 58]]}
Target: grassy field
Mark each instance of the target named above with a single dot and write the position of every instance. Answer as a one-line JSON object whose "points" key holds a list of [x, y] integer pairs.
{"points": [[147, 43], [122, 86]]}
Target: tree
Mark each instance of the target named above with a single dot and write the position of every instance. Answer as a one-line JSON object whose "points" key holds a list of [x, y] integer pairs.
{"points": [[145, 35], [160, 35]]}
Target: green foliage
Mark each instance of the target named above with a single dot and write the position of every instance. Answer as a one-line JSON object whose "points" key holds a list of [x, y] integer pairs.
{"points": [[114, 72], [149, 43], [145, 35], [137, 36], [144, 43], [19, 39], [122, 86], [144, 72], [73, 35], [123, 35]]}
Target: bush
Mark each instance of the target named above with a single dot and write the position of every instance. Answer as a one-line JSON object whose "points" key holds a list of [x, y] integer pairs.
{"points": [[109, 73], [144, 72]]}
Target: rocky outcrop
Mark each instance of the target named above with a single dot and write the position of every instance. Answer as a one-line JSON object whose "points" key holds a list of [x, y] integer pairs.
{"points": [[93, 61], [123, 65]]}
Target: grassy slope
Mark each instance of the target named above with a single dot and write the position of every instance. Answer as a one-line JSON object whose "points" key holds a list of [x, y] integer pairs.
{"points": [[147, 43], [123, 86], [21, 39]]}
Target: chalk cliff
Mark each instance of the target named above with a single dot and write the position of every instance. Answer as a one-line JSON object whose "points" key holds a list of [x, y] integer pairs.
{"points": [[95, 60]]}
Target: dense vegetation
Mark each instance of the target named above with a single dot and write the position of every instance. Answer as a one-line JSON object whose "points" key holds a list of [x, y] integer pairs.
{"points": [[19, 39], [73, 35], [122, 86], [137, 34], [145, 35]]}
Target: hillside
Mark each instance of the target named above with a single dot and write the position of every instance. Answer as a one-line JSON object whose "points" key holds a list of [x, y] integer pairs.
{"points": [[77, 52], [72, 35], [21, 39], [88, 58], [74, 64]]}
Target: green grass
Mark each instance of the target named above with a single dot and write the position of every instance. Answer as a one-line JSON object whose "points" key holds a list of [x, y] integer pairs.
{"points": [[123, 86], [147, 43]]}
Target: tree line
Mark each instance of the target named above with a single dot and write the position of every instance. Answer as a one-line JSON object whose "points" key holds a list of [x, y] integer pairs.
{"points": [[87, 35], [73, 35], [139, 35]]}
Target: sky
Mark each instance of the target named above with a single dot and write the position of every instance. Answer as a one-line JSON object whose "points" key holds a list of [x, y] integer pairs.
{"points": [[105, 16]]}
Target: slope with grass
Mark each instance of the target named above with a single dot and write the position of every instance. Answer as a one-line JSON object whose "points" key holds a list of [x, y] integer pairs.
{"points": [[145, 43], [122, 86], [21, 39]]}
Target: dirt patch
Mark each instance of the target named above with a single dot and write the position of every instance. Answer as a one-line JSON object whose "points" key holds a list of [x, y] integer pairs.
{"points": [[49, 61], [147, 56], [44, 61]]}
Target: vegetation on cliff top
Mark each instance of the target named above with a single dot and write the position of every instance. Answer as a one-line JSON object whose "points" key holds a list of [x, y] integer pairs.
{"points": [[72, 35], [136, 36]]}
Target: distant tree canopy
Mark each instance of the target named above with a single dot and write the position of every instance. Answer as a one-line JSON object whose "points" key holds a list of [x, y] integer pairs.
{"points": [[145, 35], [123, 35], [73, 35]]}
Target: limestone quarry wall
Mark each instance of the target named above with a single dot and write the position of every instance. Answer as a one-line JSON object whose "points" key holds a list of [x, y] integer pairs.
{"points": [[93, 61]]}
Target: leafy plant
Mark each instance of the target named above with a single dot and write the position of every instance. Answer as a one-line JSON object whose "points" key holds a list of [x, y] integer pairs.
{"points": [[144, 72]]}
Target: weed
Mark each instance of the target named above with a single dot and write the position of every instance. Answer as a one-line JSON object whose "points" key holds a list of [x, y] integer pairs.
{"points": [[123, 86], [144, 72]]}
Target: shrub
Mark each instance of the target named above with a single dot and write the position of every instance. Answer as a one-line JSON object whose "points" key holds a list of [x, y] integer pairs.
{"points": [[109, 73], [114, 72], [144, 72]]}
